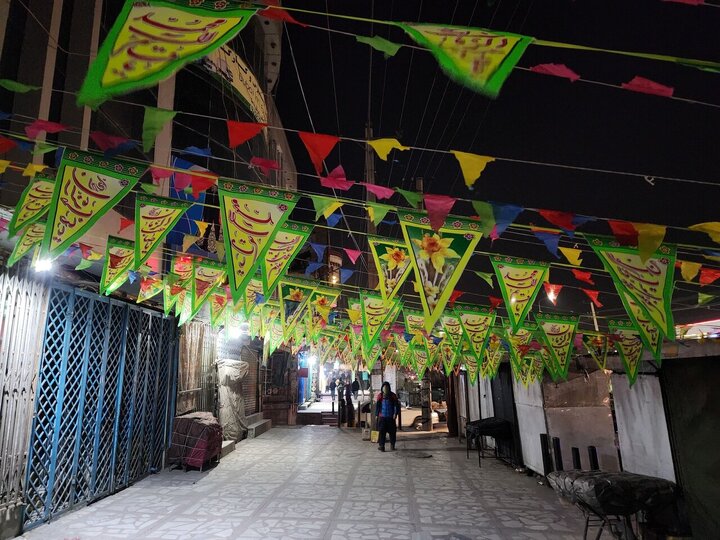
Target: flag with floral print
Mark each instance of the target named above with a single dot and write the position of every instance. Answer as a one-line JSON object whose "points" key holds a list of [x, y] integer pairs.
{"points": [[294, 297], [392, 261]]}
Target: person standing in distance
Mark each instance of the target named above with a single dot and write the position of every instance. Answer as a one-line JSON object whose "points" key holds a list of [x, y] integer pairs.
{"points": [[387, 409]]}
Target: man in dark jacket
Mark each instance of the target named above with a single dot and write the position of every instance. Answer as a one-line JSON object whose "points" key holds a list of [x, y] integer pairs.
{"points": [[355, 387], [387, 409]]}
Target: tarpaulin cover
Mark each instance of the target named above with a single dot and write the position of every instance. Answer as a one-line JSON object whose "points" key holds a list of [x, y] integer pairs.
{"points": [[612, 493], [197, 438], [231, 402]]}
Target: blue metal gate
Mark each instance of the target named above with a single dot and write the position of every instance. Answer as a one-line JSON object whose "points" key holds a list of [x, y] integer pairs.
{"points": [[103, 401]]}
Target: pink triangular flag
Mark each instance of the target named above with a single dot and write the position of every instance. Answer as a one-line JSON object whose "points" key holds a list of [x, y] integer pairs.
{"points": [[159, 173], [278, 14], [353, 254], [381, 192], [438, 207], [34, 129], [265, 165], [557, 70], [495, 301], [337, 180], [105, 141], [201, 183], [646, 86]]}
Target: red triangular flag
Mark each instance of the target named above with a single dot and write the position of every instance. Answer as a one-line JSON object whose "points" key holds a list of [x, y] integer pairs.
{"points": [[593, 295], [583, 276], [552, 291], [105, 141], [201, 183], [6, 144], [646, 86], [125, 223], [158, 173], [564, 220], [454, 296], [708, 275], [495, 301], [336, 180], [34, 129], [624, 232], [353, 254], [278, 14], [438, 207], [115, 260], [557, 70], [240, 132], [318, 146], [381, 192], [265, 165], [85, 250]]}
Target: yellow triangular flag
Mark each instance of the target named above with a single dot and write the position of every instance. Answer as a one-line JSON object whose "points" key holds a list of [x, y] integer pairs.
{"points": [[220, 250], [471, 165], [202, 227], [3, 165], [32, 169], [383, 146], [689, 270], [649, 238], [354, 315], [712, 229], [94, 256], [572, 255], [189, 240], [331, 209]]}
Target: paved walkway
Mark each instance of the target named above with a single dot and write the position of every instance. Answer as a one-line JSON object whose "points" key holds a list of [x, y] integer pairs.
{"points": [[322, 482]]}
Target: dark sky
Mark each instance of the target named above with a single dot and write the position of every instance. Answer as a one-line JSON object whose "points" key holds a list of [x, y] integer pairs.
{"points": [[535, 118]]}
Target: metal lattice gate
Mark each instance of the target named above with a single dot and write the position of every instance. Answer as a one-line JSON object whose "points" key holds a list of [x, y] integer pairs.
{"points": [[102, 402]]}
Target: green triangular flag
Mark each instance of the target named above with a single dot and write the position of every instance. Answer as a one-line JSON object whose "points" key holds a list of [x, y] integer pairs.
{"points": [[377, 212], [15, 86], [411, 197], [704, 298], [324, 206], [155, 119], [380, 44], [487, 217], [150, 189], [487, 277], [43, 148], [83, 264]]}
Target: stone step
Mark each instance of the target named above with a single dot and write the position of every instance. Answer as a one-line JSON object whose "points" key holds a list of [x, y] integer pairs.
{"points": [[227, 447], [258, 428], [254, 418]]}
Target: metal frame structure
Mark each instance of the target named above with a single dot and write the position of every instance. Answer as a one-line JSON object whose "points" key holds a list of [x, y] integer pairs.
{"points": [[104, 401]]}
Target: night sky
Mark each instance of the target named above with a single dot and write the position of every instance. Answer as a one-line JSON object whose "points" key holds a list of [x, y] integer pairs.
{"points": [[535, 118]]}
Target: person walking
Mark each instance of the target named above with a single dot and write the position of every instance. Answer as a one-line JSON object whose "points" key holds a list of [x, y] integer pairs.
{"points": [[332, 388], [387, 409], [355, 388]]}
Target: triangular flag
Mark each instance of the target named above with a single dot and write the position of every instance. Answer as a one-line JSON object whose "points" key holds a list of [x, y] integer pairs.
{"points": [[31, 236], [380, 44], [630, 347], [649, 333], [411, 197], [593, 295], [294, 296], [333, 219], [624, 232], [201, 183], [711, 228], [564, 220], [572, 255], [708, 275], [4, 163], [31, 169], [189, 240], [383, 147], [6, 144], [150, 189], [558, 333], [472, 166], [318, 146], [557, 70], [319, 250], [476, 322], [345, 274], [377, 212], [704, 298], [520, 281], [519, 344], [286, 243], [453, 297], [375, 312], [486, 277], [202, 227], [392, 262], [313, 267], [278, 14], [324, 206], [119, 255], [34, 203], [207, 274], [495, 301], [84, 264], [649, 238], [155, 217], [241, 132], [265, 165], [218, 304], [438, 207], [381, 192], [352, 254], [125, 223], [486, 214], [646, 86], [38, 126], [551, 239], [689, 270], [552, 291], [336, 180], [153, 123], [505, 215], [162, 173], [14, 86], [149, 287], [583, 276]]}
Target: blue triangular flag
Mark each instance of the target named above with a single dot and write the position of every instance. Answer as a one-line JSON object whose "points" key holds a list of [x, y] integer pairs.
{"points": [[195, 151], [408, 337], [24, 145], [58, 156], [119, 149], [133, 276], [436, 340], [331, 317], [345, 274], [319, 250], [259, 298], [334, 219], [578, 221], [313, 267], [504, 215], [551, 241]]}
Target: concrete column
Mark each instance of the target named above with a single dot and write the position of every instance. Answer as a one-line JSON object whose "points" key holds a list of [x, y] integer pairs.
{"points": [[94, 43]]}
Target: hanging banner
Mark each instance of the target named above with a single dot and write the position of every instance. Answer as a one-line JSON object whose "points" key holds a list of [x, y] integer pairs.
{"points": [[87, 186], [493, 354], [448, 355], [171, 290], [520, 282], [250, 217], [649, 283], [375, 312], [453, 328], [476, 322], [414, 321], [182, 266], [149, 287], [270, 312], [253, 296], [420, 359], [558, 333], [476, 58], [294, 296], [285, 245], [629, 346], [370, 358], [151, 40], [438, 258], [119, 254], [155, 217], [518, 339], [254, 325], [649, 333], [32, 236], [207, 274], [218, 304], [33, 204], [321, 302], [597, 346], [531, 368], [234, 318], [392, 262], [470, 362]]}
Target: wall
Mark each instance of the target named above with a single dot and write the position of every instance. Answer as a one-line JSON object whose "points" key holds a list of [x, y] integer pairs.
{"points": [[642, 427], [485, 401], [531, 422]]}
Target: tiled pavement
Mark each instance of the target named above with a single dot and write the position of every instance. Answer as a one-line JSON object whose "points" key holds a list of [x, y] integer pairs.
{"points": [[322, 482]]}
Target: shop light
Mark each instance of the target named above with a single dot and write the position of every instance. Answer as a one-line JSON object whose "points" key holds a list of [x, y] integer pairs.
{"points": [[43, 265], [312, 359]]}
